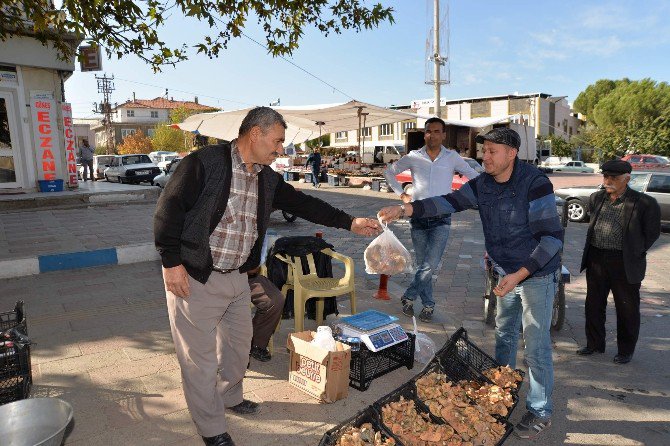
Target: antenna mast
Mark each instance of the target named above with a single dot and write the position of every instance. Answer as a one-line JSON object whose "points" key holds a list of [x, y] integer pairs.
{"points": [[437, 63]]}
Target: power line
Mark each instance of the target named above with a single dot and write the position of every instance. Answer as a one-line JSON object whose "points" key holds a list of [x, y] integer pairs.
{"points": [[185, 92], [218, 19], [299, 67]]}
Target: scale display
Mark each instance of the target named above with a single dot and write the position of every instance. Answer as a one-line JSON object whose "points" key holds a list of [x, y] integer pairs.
{"points": [[379, 338]]}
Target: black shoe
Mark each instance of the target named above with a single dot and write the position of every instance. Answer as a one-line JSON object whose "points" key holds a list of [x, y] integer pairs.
{"points": [[623, 359], [246, 407], [407, 307], [219, 440], [260, 354], [584, 351], [426, 314]]}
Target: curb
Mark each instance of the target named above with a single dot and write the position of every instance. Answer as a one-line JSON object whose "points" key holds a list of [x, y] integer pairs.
{"points": [[119, 255]]}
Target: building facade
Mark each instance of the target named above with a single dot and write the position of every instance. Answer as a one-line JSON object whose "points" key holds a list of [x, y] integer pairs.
{"points": [[36, 135], [142, 115], [549, 115], [385, 134]]}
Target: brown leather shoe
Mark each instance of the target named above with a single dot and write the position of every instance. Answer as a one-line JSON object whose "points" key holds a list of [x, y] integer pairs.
{"points": [[219, 440], [246, 407]]}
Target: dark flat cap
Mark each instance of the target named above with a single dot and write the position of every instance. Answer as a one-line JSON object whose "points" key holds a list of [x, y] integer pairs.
{"points": [[501, 135], [616, 167]]}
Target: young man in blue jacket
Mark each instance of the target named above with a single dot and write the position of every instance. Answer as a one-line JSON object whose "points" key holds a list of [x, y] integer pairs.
{"points": [[523, 235]]}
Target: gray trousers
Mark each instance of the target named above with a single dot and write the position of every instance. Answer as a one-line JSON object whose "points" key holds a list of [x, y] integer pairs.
{"points": [[269, 303], [212, 333]]}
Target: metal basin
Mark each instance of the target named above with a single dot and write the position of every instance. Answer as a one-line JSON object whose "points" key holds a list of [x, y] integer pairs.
{"points": [[33, 422]]}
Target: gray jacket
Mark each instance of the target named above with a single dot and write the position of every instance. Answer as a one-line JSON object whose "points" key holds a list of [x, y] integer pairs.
{"points": [[86, 153]]}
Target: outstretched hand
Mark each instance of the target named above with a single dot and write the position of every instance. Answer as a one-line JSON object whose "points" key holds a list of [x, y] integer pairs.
{"points": [[365, 226], [390, 213]]}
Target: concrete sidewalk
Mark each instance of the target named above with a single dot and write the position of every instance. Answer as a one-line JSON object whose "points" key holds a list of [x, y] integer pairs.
{"points": [[103, 342]]}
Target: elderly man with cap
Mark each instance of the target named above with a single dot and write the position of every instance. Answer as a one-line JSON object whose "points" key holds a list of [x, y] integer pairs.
{"points": [[624, 224], [523, 235]]}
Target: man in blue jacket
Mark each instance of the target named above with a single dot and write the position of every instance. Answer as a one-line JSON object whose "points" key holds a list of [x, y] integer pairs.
{"points": [[523, 235], [315, 160]]}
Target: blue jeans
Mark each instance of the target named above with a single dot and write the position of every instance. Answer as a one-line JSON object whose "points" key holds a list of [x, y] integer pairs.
{"points": [[429, 245], [530, 303], [315, 176]]}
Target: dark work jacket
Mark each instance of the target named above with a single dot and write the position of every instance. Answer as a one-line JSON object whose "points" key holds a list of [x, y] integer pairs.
{"points": [[195, 199], [315, 160], [641, 228]]}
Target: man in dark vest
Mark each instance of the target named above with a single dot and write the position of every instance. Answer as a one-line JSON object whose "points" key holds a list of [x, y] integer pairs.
{"points": [[209, 227], [624, 225]]}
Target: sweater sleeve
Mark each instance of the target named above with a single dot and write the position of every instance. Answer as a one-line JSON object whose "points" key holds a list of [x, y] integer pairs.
{"points": [[310, 208], [545, 225], [178, 197], [457, 201]]}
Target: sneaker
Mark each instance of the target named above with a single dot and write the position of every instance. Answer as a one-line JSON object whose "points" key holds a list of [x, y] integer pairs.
{"points": [[407, 307], [426, 314], [531, 426]]}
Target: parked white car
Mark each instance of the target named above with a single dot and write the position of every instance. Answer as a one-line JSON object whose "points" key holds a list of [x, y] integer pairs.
{"points": [[166, 159], [161, 179], [131, 169], [574, 166]]}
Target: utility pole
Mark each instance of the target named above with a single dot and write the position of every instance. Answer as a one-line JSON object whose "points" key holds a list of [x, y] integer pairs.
{"points": [[438, 60], [436, 55], [106, 86]]}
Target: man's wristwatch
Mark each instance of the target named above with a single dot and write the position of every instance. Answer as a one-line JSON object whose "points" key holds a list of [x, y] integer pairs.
{"points": [[402, 208]]}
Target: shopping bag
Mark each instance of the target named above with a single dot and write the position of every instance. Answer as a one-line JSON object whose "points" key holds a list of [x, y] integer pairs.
{"points": [[424, 347], [386, 255]]}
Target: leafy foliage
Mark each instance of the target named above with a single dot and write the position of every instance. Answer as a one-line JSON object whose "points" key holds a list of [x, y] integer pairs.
{"points": [[168, 139], [125, 27], [626, 116], [559, 146], [135, 143]]}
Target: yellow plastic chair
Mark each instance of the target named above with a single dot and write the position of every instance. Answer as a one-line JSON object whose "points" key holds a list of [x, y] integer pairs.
{"points": [[311, 286]]}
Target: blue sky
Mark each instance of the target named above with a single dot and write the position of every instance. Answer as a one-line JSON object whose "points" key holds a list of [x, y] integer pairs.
{"points": [[496, 48]]}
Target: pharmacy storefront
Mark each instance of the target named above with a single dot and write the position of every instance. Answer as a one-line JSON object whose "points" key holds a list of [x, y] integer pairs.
{"points": [[37, 144]]}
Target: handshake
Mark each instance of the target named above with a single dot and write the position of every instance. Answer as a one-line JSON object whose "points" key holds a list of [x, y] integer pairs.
{"points": [[390, 213]]}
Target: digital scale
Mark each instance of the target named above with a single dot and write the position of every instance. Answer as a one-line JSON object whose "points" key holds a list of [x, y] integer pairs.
{"points": [[374, 328]]}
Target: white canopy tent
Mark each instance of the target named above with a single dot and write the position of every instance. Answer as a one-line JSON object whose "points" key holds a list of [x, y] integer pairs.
{"points": [[304, 122]]}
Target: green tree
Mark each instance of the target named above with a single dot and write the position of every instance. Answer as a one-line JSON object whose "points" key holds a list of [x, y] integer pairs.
{"points": [[168, 139], [180, 114], [588, 99], [634, 116], [559, 146], [125, 27]]}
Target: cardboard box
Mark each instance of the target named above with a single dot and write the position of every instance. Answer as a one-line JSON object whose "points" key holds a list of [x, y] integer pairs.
{"points": [[317, 371]]}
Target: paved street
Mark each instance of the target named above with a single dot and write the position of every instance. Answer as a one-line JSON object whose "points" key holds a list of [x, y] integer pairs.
{"points": [[103, 341]]}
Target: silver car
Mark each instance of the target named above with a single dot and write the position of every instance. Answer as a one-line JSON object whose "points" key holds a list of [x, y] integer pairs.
{"points": [[162, 179], [574, 166], [655, 184]]}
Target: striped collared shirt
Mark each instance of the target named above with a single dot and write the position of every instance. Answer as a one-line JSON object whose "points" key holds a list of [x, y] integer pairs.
{"points": [[236, 233], [608, 231]]}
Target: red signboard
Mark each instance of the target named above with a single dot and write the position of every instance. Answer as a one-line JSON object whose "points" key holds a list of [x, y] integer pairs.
{"points": [[46, 137], [70, 150]]}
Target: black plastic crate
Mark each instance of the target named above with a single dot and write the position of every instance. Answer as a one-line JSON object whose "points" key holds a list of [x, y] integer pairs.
{"points": [[408, 392], [460, 346], [367, 365], [15, 367], [456, 371], [368, 415]]}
